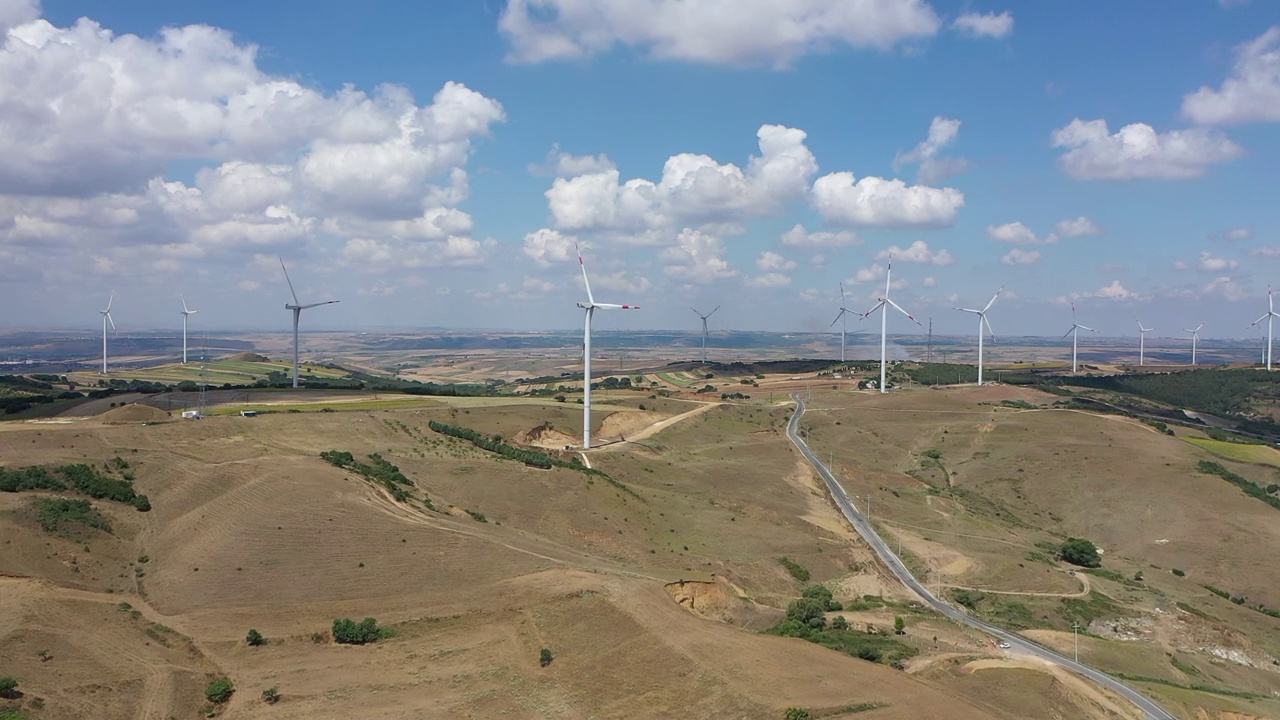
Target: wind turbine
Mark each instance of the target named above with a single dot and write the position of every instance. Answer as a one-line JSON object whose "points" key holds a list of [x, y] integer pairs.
{"points": [[1195, 338], [704, 329], [982, 320], [1271, 313], [840, 318], [185, 314], [106, 318], [297, 309], [1142, 343], [1074, 332], [590, 306], [882, 306]]}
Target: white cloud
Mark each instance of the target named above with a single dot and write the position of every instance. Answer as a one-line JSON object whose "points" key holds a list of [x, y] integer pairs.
{"points": [[249, 285], [549, 247], [979, 25], [1182, 265], [770, 261], [1209, 263], [1266, 251], [1019, 234], [1018, 256], [1115, 291], [747, 32], [768, 280], [1079, 227], [801, 238], [697, 258], [1224, 287], [620, 281], [1251, 94], [918, 252], [929, 282], [694, 189], [933, 167], [562, 164], [1138, 151], [537, 285], [874, 273], [1238, 234], [876, 202]]}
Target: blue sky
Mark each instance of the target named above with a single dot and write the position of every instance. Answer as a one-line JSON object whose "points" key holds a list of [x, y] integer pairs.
{"points": [[433, 163]]}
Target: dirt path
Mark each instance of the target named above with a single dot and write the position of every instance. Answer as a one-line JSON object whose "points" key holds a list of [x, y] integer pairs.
{"points": [[657, 427], [1084, 590]]}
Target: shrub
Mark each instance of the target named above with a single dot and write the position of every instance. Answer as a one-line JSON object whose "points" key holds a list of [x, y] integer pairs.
{"points": [[348, 632], [1179, 573], [545, 657], [839, 623], [796, 569], [53, 513], [142, 503], [1079, 551], [271, 695], [254, 638], [8, 687], [219, 691], [796, 713], [899, 625]]}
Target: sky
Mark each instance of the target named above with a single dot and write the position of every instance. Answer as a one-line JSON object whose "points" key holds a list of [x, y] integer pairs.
{"points": [[435, 164]]}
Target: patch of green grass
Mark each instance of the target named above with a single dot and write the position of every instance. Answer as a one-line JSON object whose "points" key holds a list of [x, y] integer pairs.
{"points": [[1241, 452], [798, 571], [56, 513]]}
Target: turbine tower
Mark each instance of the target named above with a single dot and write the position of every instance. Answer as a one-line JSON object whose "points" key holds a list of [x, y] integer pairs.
{"points": [[704, 330], [185, 314], [840, 318], [106, 318], [883, 307], [1271, 313], [1074, 332], [590, 306], [982, 320], [1195, 338], [297, 308], [1142, 343]]}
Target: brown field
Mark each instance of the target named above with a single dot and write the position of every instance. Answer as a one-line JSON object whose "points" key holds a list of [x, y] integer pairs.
{"points": [[251, 529]]}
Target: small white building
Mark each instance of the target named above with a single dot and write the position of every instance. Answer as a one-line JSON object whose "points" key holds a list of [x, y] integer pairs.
{"points": [[191, 415]]}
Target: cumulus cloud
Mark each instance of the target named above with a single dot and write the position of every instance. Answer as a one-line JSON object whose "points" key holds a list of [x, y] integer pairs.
{"points": [[537, 285], [929, 282], [770, 261], [1242, 233], [549, 247], [1209, 263], [917, 252], [1224, 287], [694, 189], [1018, 256], [768, 280], [697, 258], [1266, 251], [801, 238], [91, 120], [1138, 151], [877, 202], [562, 164], [1250, 94], [621, 281], [751, 32], [1078, 227], [874, 273], [1115, 291], [988, 25], [1018, 234], [933, 166]]}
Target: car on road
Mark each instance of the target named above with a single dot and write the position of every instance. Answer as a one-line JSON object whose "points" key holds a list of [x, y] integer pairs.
{"points": [[1004, 645]]}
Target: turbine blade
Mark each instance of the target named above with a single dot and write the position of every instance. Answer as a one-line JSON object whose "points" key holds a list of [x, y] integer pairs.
{"points": [[904, 312], [184, 305], [842, 294], [866, 314], [993, 300], [888, 273], [988, 324], [286, 279], [1065, 334], [614, 306], [969, 310], [111, 298], [585, 281], [326, 302], [695, 311], [1086, 327], [1199, 326], [838, 316], [1264, 317], [113, 322], [713, 312]]}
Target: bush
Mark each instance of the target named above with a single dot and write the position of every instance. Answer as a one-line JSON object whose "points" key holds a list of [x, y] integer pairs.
{"points": [[1179, 573], [899, 625], [839, 623], [544, 657], [8, 687], [53, 513], [219, 691], [254, 638], [796, 713], [1079, 551], [348, 632], [796, 569], [271, 695], [142, 503]]}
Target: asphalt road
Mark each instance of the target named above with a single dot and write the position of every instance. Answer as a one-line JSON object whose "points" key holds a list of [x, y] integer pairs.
{"points": [[887, 556]]}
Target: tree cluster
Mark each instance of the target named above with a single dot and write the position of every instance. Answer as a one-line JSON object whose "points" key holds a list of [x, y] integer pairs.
{"points": [[377, 470], [349, 632], [532, 458], [1079, 551]]}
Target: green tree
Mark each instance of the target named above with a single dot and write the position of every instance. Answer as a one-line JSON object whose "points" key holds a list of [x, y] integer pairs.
{"points": [[795, 713], [255, 638], [8, 687], [1079, 551], [545, 657], [839, 623], [899, 625], [808, 611], [271, 695], [219, 691], [350, 632]]}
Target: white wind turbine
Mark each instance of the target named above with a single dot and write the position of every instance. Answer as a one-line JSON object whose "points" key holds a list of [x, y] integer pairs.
{"points": [[840, 318], [1195, 338], [185, 314], [1271, 313], [982, 320], [882, 306], [297, 309], [1142, 342], [1074, 332], [106, 318], [704, 328], [590, 306]]}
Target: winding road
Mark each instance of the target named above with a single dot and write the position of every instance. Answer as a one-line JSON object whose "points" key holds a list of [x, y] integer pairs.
{"points": [[887, 556]]}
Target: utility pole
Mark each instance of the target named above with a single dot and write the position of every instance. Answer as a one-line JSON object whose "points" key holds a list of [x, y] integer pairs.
{"points": [[1075, 630], [929, 352]]}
